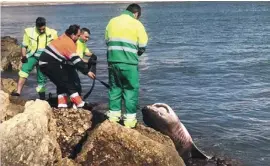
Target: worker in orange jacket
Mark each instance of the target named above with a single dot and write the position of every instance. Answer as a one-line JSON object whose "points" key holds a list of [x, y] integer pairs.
{"points": [[55, 63]]}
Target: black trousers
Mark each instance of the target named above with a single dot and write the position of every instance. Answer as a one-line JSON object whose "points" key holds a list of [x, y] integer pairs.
{"points": [[65, 77], [74, 72]]}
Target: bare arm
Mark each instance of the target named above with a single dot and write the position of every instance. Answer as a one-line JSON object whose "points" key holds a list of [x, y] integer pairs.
{"points": [[23, 51], [88, 54]]}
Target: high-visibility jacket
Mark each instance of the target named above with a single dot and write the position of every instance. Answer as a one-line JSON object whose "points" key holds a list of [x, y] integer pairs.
{"points": [[124, 36], [35, 42], [81, 48], [63, 50]]}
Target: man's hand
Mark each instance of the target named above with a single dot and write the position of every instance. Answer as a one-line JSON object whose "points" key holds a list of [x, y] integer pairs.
{"points": [[91, 75], [24, 59]]}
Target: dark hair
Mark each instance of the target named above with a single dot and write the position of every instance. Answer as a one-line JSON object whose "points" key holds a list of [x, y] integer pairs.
{"points": [[85, 30], [133, 8], [40, 22], [72, 30]]}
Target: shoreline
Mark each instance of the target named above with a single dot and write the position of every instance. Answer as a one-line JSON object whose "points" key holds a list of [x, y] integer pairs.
{"points": [[13, 3]]}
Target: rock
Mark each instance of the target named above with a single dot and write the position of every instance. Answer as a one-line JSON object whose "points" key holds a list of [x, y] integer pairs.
{"points": [[112, 144], [13, 109], [29, 138], [8, 85], [155, 135], [16, 103], [4, 102], [8, 109], [10, 54], [68, 162], [71, 129]]}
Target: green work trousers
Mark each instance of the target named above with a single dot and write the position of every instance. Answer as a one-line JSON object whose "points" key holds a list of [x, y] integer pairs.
{"points": [[124, 82], [28, 67]]}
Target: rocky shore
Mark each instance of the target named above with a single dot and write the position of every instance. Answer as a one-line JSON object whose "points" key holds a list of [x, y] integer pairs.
{"points": [[34, 133]]}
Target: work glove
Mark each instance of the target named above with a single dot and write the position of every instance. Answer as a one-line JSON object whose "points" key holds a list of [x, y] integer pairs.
{"points": [[92, 62], [24, 59], [141, 51]]}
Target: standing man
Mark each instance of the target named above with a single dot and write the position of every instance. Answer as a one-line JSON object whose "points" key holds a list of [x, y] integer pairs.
{"points": [[35, 39], [126, 39], [55, 63]]}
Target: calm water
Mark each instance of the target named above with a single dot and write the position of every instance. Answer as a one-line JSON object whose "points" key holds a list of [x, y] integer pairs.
{"points": [[208, 61]]}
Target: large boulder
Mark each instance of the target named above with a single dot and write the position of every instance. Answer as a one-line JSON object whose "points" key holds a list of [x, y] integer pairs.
{"points": [[71, 129], [29, 138], [10, 54], [16, 104], [4, 103], [112, 144], [8, 108], [8, 85]]}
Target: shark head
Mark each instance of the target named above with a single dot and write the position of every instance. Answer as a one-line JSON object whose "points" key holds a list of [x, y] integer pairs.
{"points": [[160, 116]]}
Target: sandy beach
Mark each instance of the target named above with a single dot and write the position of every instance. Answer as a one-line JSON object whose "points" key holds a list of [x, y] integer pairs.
{"points": [[56, 2]]}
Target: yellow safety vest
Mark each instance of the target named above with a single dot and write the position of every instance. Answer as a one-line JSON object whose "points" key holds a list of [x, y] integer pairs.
{"points": [[81, 48], [35, 43], [124, 35]]}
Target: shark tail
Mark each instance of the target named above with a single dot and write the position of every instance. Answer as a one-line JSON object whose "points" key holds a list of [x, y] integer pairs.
{"points": [[197, 153]]}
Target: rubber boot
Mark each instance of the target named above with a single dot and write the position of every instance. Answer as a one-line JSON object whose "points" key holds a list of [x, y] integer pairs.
{"points": [[42, 95], [13, 93]]}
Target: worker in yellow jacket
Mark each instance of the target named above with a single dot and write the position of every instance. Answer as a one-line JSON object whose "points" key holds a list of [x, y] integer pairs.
{"points": [[126, 40], [35, 39], [83, 51]]}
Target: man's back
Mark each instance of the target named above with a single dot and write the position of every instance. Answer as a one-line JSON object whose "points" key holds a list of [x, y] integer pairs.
{"points": [[125, 35], [124, 26]]}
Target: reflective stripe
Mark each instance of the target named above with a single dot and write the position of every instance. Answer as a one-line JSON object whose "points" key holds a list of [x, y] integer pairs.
{"points": [[62, 106], [81, 104], [74, 94], [42, 63], [29, 55], [38, 52], [32, 36], [123, 49], [41, 49], [50, 53], [123, 40], [62, 95], [111, 113], [73, 55], [57, 52], [142, 45], [130, 116], [40, 88], [76, 61], [23, 74], [24, 45]]}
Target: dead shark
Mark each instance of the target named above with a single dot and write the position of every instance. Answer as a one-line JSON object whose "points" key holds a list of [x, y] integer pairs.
{"points": [[162, 118]]}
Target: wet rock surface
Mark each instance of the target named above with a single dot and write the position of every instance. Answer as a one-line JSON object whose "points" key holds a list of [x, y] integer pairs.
{"points": [[214, 161], [10, 54]]}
